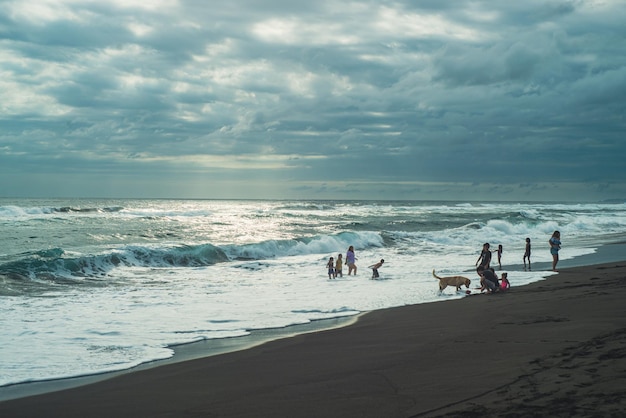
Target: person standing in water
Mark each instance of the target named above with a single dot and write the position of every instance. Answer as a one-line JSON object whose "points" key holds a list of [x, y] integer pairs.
{"points": [[350, 260], [484, 259], [555, 246], [527, 254], [499, 252], [331, 268], [339, 266]]}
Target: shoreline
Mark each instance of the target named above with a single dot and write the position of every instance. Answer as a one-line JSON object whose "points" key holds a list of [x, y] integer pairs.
{"points": [[551, 348], [208, 348], [182, 352]]}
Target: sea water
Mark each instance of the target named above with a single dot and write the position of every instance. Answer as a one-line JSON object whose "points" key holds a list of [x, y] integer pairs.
{"points": [[89, 286]]}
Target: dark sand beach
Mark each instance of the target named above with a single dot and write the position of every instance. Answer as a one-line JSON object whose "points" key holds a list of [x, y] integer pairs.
{"points": [[552, 348]]}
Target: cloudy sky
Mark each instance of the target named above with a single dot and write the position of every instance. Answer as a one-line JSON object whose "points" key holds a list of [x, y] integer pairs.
{"points": [[424, 99]]}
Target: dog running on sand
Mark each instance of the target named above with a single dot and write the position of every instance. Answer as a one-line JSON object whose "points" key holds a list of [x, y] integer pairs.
{"points": [[456, 281]]}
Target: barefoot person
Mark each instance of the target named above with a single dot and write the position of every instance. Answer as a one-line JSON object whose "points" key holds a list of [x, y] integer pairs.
{"points": [[339, 266], [555, 246], [499, 252], [375, 268], [484, 259], [350, 259], [505, 284], [488, 280], [527, 254], [331, 268]]}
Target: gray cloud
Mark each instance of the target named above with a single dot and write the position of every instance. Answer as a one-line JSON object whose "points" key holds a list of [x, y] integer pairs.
{"points": [[454, 100]]}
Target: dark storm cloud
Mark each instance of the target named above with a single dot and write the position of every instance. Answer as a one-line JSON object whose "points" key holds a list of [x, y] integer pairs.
{"points": [[421, 99]]}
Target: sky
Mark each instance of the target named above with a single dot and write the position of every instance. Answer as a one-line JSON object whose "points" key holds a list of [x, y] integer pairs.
{"points": [[280, 99]]}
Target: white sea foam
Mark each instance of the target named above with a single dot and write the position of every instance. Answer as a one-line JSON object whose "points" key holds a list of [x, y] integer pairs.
{"points": [[107, 285]]}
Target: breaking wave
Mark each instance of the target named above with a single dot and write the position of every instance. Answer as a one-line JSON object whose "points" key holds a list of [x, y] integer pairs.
{"points": [[56, 264]]}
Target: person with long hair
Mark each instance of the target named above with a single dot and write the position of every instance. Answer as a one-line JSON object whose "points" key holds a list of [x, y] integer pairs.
{"points": [[484, 259], [350, 260], [555, 246]]}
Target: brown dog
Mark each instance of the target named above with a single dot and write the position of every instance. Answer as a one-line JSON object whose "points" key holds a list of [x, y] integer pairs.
{"points": [[456, 281]]}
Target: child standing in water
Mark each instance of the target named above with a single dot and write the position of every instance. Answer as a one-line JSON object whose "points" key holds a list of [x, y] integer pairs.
{"points": [[331, 268], [339, 266], [499, 252], [527, 254]]}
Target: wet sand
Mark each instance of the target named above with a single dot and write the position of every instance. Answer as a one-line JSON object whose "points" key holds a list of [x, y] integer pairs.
{"points": [[552, 348]]}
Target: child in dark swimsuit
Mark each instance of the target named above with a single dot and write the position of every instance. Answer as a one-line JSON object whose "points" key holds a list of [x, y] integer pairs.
{"points": [[527, 254], [375, 268], [331, 268]]}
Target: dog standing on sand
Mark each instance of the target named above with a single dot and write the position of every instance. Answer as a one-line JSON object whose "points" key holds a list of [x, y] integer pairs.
{"points": [[456, 281]]}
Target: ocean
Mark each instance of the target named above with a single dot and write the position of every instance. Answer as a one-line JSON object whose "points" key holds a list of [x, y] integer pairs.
{"points": [[90, 286]]}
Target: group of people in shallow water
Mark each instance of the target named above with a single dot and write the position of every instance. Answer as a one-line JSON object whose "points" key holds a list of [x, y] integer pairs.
{"points": [[555, 245], [489, 279], [335, 267]]}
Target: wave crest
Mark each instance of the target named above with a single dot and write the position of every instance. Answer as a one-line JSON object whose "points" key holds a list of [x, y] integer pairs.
{"points": [[55, 265]]}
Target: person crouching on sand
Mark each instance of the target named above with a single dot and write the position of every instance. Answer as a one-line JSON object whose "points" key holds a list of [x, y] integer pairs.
{"points": [[488, 280], [375, 268]]}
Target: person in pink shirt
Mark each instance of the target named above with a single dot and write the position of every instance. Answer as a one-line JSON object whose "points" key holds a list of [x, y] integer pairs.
{"points": [[504, 282]]}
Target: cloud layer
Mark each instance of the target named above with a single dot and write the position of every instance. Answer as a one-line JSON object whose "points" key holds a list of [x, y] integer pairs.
{"points": [[277, 99]]}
